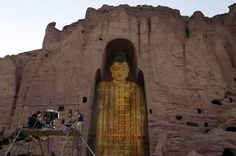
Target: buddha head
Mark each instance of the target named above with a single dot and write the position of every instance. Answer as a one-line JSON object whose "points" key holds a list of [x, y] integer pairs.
{"points": [[119, 69]]}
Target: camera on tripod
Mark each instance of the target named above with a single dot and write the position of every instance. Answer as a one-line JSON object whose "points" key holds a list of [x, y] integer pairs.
{"points": [[50, 117]]}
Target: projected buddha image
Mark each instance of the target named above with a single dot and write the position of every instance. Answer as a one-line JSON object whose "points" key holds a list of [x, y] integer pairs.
{"points": [[121, 112]]}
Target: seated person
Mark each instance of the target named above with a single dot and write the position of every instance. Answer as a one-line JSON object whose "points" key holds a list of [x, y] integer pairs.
{"points": [[68, 126], [35, 120]]}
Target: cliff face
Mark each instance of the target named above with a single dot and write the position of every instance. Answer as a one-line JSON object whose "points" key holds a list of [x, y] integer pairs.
{"points": [[188, 64]]}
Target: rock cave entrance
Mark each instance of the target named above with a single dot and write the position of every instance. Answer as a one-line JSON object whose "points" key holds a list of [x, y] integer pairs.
{"points": [[228, 152], [103, 74], [231, 129]]}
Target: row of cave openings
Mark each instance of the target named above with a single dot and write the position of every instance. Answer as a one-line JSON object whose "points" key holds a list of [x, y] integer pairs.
{"points": [[206, 124], [218, 102]]}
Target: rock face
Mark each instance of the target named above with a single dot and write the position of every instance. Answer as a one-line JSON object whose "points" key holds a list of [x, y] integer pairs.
{"points": [[188, 66]]}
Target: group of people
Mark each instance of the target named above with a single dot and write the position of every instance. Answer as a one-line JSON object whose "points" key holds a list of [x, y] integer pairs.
{"points": [[75, 122]]}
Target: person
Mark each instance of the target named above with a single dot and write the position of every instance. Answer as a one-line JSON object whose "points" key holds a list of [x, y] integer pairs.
{"points": [[79, 121], [121, 113], [67, 126], [35, 120]]}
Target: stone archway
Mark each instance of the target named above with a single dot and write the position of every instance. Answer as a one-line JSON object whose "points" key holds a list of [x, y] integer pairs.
{"points": [[103, 74]]}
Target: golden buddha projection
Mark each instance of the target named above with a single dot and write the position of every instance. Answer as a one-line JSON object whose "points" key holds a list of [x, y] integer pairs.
{"points": [[121, 113]]}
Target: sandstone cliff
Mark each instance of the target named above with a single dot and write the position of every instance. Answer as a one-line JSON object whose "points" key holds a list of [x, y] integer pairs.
{"points": [[188, 65]]}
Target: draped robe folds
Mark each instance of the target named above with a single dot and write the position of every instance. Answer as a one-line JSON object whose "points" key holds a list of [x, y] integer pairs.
{"points": [[120, 120]]}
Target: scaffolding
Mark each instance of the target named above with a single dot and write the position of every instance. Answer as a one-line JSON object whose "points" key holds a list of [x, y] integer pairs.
{"points": [[71, 143]]}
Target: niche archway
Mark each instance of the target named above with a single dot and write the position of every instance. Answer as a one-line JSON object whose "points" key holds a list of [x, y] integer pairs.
{"points": [[114, 47]]}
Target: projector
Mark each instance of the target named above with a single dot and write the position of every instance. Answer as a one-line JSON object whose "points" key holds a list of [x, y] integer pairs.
{"points": [[50, 117]]}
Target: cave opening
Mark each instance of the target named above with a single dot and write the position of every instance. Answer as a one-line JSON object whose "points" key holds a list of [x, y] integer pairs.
{"points": [[85, 99], [216, 102], [179, 117], [228, 152], [199, 111], [231, 129]]}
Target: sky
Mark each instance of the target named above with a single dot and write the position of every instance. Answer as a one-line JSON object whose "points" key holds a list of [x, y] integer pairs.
{"points": [[23, 22]]}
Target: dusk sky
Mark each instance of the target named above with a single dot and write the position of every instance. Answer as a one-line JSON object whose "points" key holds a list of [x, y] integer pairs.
{"points": [[23, 22]]}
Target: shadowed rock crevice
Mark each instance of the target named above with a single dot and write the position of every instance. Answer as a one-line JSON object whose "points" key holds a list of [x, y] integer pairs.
{"points": [[19, 62], [19, 69], [149, 29], [231, 54], [139, 37]]}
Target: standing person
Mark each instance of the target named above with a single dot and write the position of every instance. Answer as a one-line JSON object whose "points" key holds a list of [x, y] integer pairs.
{"points": [[79, 121]]}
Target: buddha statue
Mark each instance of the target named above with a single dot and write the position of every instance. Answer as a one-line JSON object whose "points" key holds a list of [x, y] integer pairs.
{"points": [[121, 113]]}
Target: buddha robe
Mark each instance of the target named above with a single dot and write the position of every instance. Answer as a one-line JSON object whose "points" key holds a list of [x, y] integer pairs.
{"points": [[120, 120]]}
